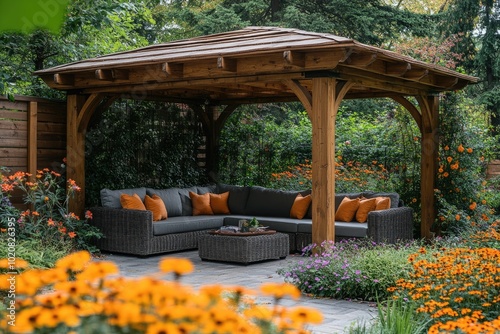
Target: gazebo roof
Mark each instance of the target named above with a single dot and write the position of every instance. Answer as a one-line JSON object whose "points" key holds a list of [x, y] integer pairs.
{"points": [[252, 65]]}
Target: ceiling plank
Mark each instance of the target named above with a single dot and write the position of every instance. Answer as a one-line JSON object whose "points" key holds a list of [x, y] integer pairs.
{"points": [[174, 70], [227, 64]]}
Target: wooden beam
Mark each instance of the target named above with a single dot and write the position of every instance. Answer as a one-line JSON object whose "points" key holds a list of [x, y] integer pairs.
{"points": [[75, 156], [227, 64], [429, 105], [294, 59], [397, 69], [193, 83], [323, 159], [326, 97], [414, 112], [64, 79], [32, 137], [85, 113], [111, 74], [360, 59], [302, 93], [416, 74], [174, 70]]}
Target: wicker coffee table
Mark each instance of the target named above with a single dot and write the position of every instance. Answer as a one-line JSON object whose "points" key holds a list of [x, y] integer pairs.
{"points": [[243, 248]]}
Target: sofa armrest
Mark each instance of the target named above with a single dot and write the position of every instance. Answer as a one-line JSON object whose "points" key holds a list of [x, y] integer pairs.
{"points": [[125, 231], [391, 225]]}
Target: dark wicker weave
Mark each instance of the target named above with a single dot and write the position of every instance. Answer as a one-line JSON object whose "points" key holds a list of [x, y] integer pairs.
{"points": [[243, 249], [388, 226], [131, 232]]}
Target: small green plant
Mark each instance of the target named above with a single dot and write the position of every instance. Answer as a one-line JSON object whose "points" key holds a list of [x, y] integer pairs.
{"points": [[352, 269], [394, 317], [47, 218]]}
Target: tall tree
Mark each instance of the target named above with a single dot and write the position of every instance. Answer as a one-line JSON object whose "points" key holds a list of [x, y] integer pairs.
{"points": [[478, 22]]}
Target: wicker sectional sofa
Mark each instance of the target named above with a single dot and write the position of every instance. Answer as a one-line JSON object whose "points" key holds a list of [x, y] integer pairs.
{"points": [[135, 232]]}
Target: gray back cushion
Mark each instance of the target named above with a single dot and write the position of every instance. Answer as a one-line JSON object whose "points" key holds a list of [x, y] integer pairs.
{"points": [[111, 198], [212, 188], [269, 202], [171, 199], [237, 199], [187, 206]]}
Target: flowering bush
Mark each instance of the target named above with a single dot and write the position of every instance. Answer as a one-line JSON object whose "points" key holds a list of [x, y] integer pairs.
{"points": [[89, 297], [350, 176], [357, 269], [456, 288], [47, 217]]}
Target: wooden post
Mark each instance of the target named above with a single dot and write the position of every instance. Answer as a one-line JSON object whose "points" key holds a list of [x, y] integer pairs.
{"points": [[323, 159], [75, 148], [429, 106], [32, 137]]}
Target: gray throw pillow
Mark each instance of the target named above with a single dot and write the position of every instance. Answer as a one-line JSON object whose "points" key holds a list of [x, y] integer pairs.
{"points": [[111, 198]]}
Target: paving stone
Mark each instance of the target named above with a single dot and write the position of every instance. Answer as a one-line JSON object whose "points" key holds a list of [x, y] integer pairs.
{"points": [[338, 314]]}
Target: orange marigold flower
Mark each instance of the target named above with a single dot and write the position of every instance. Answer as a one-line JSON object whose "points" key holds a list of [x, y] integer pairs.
{"points": [[449, 159], [446, 148], [469, 150], [71, 234], [473, 206], [445, 174], [454, 166], [178, 266], [457, 217], [460, 148]]}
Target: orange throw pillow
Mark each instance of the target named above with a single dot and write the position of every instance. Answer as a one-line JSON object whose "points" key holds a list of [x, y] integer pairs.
{"points": [[382, 203], [132, 202], [365, 206], [218, 203], [201, 204], [156, 205], [347, 210], [300, 206]]}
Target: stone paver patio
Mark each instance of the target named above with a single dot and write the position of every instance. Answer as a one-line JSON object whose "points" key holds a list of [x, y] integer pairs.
{"points": [[338, 314]]}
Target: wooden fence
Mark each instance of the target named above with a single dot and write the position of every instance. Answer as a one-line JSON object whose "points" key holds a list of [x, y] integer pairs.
{"points": [[32, 134]]}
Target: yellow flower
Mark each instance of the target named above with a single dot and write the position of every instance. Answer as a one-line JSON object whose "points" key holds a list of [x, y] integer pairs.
{"points": [[303, 314], [163, 328], [97, 270], [75, 261], [178, 266], [16, 264], [280, 290]]}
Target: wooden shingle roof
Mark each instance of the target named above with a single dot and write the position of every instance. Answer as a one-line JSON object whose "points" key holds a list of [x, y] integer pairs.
{"points": [[251, 65]]}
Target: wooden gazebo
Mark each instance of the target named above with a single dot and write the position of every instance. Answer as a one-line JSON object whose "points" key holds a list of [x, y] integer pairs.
{"points": [[214, 74]]}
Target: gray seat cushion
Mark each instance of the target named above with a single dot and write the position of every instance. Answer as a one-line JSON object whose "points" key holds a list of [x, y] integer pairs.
{"points": [[269, 202], [182, 224], [342, 229], [111, 198]]}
